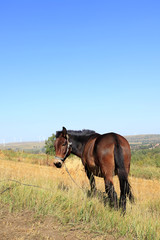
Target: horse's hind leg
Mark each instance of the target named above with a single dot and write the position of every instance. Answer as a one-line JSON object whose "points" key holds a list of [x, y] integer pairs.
{"points": [[109, 188], [107, 168], [91, 179]]}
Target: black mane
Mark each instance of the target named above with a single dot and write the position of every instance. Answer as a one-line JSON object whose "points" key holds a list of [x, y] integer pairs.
{"points": [[84, 132]]}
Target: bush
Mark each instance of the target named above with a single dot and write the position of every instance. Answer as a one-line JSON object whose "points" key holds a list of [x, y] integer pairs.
{"points": [[49, 145], [146, 157]]}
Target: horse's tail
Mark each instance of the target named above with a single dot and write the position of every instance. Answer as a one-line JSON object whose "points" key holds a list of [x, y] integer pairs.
{"points": [[125, 185], [121, 171]]}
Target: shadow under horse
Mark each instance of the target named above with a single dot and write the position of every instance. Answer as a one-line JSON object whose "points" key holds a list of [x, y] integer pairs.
{"points": [[103, 155]]}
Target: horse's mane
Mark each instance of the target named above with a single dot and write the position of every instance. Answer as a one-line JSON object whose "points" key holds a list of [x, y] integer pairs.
{"points": [[84, 132]]}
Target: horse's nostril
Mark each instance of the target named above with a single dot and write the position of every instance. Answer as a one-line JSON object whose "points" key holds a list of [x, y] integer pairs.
{"points": [[58, 164]]}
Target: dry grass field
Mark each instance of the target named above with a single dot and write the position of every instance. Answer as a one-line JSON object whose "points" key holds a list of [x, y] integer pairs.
{"points": [[144, 190], [21, 220]]}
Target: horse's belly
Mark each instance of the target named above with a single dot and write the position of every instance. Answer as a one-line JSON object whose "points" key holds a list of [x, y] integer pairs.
{"points": [[89, 159], [95, 170]]}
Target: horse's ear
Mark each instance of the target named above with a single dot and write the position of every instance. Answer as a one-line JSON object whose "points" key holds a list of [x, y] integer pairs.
{"points": [[64, 132]]}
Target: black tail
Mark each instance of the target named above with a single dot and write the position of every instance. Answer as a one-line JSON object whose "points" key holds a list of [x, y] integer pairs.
{"points": [[122, 174], [125, 185]]}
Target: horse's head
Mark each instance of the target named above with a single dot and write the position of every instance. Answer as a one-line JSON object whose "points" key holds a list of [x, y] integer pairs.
{"points": [[62, 147]]}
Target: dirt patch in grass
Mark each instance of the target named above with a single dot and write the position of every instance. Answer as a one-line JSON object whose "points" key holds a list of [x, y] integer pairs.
{"points": [[25, 226]]}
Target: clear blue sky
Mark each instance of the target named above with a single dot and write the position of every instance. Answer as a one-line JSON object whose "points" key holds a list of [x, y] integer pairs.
{"points": [[79, 64]]}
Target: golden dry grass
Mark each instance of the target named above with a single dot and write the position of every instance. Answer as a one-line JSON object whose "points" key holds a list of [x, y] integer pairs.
{"points": [[144, 190]]}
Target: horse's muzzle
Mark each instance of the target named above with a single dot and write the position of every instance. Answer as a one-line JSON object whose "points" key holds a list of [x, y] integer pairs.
{"points": [[58, 164]]}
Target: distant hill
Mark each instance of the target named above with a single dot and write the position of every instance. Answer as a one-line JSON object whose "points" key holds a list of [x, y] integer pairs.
{"points": [[34, 147], [144, 139], [136, 141]]}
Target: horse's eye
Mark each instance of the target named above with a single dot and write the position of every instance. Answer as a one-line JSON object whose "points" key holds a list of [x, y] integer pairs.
{"points": [[64, 144]]}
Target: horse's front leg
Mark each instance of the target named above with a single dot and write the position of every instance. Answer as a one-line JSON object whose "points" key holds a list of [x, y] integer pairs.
{"points": [[91, 179]]}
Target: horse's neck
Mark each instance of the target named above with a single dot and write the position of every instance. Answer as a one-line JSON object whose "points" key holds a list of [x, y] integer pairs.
{"points": [[78, 144]]}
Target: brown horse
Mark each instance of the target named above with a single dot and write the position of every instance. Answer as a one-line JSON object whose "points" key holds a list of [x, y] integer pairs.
{"points": [[102, 155]]}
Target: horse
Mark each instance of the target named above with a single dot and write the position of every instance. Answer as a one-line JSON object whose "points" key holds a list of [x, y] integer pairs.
{"points": [[103, 155]]}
